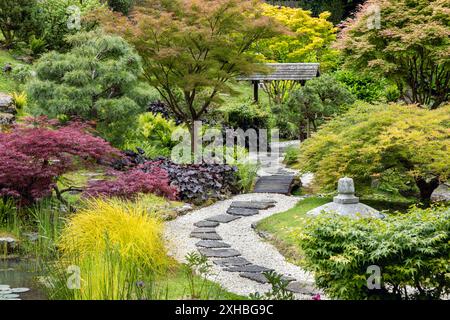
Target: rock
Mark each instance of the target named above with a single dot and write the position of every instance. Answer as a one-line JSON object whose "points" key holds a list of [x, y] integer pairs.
{"points": [[7, 68], [242, 211], [6, 119], [8, 243], [206, 236], [7, 103], [235, 261], [441, 193], [206, 223], [184, 208], [26, 59], [260, 205], [219, 253], [204, 230], [222, 218], [248, 268], [212, 244]]}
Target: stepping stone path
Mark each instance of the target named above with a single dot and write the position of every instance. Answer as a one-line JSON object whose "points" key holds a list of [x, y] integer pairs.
{"points": [[240, 258], [230, 259]]}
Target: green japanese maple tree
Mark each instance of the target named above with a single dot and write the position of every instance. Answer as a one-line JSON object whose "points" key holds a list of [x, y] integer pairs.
{"points": [[407, 41], [193, 49]]}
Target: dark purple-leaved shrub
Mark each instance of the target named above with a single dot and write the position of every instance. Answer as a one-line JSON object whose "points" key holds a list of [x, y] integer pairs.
{"points": [[130, 183], [198, 182], [35, 153], [195, 182]]}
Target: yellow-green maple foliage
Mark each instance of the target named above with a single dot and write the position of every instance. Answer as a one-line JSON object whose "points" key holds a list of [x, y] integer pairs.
{"points": [[308, 38], [371, 141]]}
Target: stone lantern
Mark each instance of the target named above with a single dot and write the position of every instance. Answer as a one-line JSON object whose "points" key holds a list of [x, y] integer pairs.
{"points": [[346, 203]]}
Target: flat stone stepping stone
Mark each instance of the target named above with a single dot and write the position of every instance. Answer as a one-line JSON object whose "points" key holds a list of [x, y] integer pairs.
{"points": [[258, 277], [212, 244], [301, 287], [261, 278], [242, 211], [219, 253], [206, 223], [223, 218], [205, 236], [204, 230], [259, 205], [248, 268], [235, 261], [274, 184]]}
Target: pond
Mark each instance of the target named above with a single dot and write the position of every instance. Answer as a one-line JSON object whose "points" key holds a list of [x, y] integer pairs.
{"points": [[21, 273]]}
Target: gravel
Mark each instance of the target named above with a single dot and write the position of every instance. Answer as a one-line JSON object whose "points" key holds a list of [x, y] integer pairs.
{"points": [[240, 235]]}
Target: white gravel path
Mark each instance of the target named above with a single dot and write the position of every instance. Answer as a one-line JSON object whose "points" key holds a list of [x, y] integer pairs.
{"points": [[240, 235]]}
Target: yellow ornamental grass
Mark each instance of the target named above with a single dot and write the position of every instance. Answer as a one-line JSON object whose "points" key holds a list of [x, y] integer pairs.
{"points": [[124, 226]]}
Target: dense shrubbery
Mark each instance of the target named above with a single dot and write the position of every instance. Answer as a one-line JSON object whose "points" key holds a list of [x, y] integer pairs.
{"points": [[246, 115], [319, 100], [368, 88], [96, 80], [412, 251], [16, 20], [34, 156], [56, 19], [153, 134], [123, 6], [380, 142], [131, 183]]}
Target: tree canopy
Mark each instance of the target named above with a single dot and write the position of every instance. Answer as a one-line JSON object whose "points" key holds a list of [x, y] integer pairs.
{"points": [[192, 50], [411, 46], [394, 143], [97, 80], [309, 39]]}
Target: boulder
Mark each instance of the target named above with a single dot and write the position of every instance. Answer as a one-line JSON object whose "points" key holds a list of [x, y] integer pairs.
{"points": [[6, 119], [441, 193], [7, 103], [7, 244]]}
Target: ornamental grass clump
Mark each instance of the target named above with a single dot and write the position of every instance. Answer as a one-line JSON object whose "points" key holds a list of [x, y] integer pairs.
{"points": [[110, 250], [124, 225]]}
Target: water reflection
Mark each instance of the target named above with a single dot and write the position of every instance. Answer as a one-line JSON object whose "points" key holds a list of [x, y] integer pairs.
{"points": [[19, 274]]}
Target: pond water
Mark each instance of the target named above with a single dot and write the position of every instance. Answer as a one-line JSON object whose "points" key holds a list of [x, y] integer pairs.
{"points": [[21, 273]]}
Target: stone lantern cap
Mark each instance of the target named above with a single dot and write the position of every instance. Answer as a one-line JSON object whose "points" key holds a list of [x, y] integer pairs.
{"points": [[346, 203]]}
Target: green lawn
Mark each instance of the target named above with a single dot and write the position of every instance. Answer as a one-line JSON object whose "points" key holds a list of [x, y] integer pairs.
{"points": [[282, 225], [6, 83]]}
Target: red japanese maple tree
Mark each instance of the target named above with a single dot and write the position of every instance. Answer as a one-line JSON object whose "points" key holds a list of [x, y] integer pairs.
{"points": [[35, 153]]}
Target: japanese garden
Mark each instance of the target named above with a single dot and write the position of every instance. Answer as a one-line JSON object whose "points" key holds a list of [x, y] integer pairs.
{"points": [[224, 150]]}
